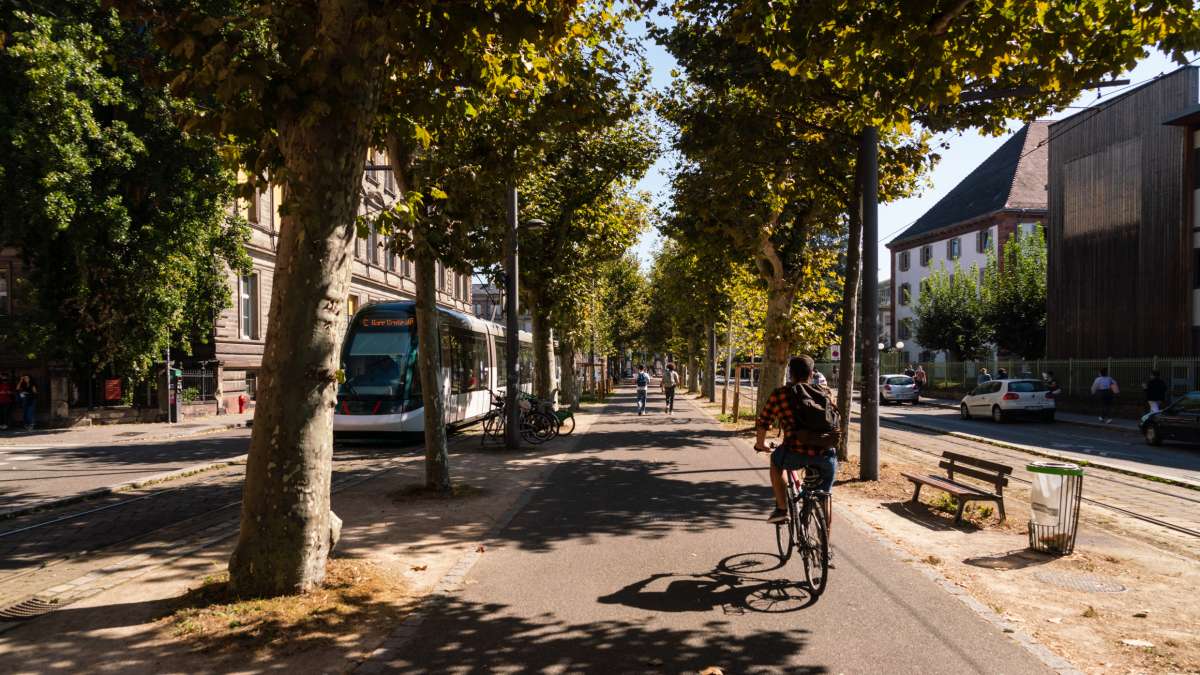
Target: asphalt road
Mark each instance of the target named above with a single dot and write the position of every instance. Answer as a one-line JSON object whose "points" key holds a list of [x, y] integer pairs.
{"points": [[1114, 447], [648, 552], [37, 471]]}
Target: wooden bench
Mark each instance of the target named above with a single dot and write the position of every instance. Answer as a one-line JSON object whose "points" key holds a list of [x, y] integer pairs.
{"points": [[981, 469]]}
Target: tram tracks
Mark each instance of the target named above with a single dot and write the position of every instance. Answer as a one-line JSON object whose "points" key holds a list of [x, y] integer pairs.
{"points": [[1017, 456]]}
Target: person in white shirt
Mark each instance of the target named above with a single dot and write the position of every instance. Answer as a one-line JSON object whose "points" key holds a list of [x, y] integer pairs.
{"points": [[1106, 387], [670, 380], [642, 380]]}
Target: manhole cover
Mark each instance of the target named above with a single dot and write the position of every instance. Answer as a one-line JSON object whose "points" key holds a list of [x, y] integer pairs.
{"points": [[26, 609], [1088, 583]]}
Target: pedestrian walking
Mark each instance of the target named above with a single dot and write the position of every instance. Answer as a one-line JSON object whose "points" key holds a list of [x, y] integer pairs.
{"points": [[27, 394], [1156, 392], [1051, 384], [984, 376], [670, 380], [1002, 374], [642, 380], [6, 401], [909, 370], [1106, 388], [819, 379], [921, 380]]}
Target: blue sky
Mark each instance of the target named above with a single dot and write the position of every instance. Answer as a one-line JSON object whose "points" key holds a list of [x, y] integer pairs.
{"points": [[966, 151]]}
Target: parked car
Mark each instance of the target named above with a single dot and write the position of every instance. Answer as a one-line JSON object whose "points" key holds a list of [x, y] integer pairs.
{"points": [[1179, 421], [1005, 399], [897, 388]]}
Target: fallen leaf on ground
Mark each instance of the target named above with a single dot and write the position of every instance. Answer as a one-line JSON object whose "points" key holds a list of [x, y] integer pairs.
{"points": [[1055, 619], [481, 549], [420, 568]]}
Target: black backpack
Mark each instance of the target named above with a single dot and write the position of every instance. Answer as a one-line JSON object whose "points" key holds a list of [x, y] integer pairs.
{"points": [[814, 414]]}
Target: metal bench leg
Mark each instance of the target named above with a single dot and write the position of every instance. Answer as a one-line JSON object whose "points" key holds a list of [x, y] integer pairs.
{"points": [[916, 492], [1001, 504], [962, 503]]}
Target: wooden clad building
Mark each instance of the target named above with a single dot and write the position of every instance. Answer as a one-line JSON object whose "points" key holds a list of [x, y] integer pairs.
{"points": [[1120, 225]]}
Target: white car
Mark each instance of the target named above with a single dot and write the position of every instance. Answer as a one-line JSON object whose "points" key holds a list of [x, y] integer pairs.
{"points": [[897, 388], [1004, 399]]}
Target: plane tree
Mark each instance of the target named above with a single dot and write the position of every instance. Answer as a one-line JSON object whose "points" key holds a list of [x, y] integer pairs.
{"points": [[295, 90]]}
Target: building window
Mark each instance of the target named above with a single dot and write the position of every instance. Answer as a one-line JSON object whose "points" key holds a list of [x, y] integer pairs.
{"points": [[904, 261], [904, 330], [252, 385], [405, 268], [440, 273], [926, 255], [983, 241], [351, 305], [392, 259], [5, 293], [248, 306], [373, 244], [905, 294], [358, 246], [1026, 228], [954, 249], [373, 158]]}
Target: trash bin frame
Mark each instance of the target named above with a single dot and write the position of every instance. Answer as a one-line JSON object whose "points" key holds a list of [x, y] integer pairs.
{"points": [[1061, 537]]}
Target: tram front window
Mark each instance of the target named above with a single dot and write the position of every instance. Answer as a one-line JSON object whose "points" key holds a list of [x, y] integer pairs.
{"points": [[377, 365]]}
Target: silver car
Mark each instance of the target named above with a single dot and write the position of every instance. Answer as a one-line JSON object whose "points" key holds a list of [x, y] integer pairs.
{"points": [[1004, 399], [897, 388]]}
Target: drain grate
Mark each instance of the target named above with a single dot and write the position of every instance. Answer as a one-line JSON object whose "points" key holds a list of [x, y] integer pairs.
{"points": [[1087, 583], [27, 609]]}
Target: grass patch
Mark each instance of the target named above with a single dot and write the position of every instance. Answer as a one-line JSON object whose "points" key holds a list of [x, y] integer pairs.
{"points": [[744, 414], [418, 491], [932, 560], [945, 503], [355, 597]]}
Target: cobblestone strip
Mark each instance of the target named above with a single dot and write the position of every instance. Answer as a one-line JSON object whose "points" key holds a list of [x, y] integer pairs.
{"points": [[379, 660]]}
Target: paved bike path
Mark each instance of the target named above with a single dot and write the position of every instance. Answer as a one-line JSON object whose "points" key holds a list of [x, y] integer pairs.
{"points": [[638, 556]]}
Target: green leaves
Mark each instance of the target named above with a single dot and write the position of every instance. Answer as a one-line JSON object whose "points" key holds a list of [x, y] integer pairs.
{"points": [[1014, 300], [949, 313]]}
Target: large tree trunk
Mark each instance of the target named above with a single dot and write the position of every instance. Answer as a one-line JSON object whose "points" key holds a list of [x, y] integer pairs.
{"points": [[541, 347], [849, 323], [437, 459], [569, 395], [693, 363], [777, 344], [287, 528]]}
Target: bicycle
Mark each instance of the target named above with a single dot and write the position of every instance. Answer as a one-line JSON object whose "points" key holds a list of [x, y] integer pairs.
{"points": [[565, 417], [807, 527], [536, 426]]}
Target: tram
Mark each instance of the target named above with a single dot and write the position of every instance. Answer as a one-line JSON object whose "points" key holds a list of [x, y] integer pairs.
{"points": [[382, 390]]}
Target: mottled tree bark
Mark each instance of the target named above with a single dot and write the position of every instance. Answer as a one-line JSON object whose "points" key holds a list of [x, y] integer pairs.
{"points": [[849, 323], [777, 344], [286, 525], [566, 350], [693, 364], [437, 459]]}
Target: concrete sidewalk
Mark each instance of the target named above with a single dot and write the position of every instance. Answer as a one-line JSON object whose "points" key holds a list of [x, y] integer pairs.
{"points": [[110, 434]]}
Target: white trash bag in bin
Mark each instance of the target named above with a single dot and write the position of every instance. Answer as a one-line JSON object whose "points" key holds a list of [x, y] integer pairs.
{"points": [[1054, 498]]}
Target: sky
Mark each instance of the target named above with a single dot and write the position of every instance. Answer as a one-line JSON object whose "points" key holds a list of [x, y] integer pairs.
{"points": [[966, 151]]}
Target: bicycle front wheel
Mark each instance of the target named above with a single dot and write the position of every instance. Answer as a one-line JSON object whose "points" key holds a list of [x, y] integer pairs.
{"points": [[814, 545], [785, 533], [566, 425]]}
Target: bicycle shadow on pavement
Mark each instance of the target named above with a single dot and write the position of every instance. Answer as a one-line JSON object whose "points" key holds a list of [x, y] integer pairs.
{"points": [[736, 585]]}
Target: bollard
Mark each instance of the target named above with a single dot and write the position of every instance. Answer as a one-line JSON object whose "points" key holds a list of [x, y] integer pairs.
{"points": [[736, 396]]}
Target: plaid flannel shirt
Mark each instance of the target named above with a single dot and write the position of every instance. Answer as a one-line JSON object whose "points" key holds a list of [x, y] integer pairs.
{"points": [[779, 408]]}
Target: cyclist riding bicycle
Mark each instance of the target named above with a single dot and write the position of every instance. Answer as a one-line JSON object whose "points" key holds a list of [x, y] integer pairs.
{"points": [[809, 420]]}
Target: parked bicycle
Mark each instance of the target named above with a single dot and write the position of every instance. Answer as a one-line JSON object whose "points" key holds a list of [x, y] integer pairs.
{"points": [[536, 426], [806, 529]]}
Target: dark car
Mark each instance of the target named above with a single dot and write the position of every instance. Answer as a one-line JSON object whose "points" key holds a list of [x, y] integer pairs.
{"points": [[1179, 421]]}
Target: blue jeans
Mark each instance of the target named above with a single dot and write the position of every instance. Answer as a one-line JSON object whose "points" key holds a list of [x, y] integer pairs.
{"points": [[641, 400], [826, 464], [28, 406]]}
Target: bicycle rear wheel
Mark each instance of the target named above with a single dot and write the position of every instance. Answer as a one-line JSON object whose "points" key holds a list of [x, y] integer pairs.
{"points": [[814, 544], [493, 427]]}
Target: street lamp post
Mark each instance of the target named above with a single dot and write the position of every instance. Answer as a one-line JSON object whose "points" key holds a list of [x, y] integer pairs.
{"points": [[512, 326]]}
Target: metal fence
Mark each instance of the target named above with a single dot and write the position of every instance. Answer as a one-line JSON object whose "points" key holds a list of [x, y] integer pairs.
{"points": [[201, 383], [1075, 376]]}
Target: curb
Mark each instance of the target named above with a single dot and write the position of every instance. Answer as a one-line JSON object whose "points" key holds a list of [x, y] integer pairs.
{"points": [[121, 487], [230, 426], [1171, 480]]}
